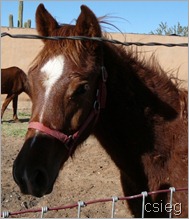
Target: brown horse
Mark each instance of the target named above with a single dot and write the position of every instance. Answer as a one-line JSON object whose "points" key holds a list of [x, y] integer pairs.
{"points": [[13, 82], [83, 87]]}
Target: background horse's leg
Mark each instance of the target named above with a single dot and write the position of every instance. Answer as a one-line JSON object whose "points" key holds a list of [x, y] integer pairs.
{"points": [[8, 99], [14, 105]]}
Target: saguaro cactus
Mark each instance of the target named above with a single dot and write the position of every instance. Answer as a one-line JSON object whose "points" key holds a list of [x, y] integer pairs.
{"points": [[29, 23], [11, 21], [25, 25], [20, 13]]}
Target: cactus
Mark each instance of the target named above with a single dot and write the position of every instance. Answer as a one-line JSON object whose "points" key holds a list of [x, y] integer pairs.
{"points": [[20, 13], [25, 25], [29, 23], [11, 21]]}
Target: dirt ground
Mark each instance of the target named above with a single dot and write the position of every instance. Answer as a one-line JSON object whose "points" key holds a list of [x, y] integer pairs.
{"points": [[90, 175]]}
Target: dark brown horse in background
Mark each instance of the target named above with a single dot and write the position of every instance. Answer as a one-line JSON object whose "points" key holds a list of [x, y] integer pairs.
{"points": [[13, 82], [83, 87]]}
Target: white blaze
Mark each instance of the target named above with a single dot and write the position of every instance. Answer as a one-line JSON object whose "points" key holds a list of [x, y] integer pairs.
{"points": [[51, 71]]}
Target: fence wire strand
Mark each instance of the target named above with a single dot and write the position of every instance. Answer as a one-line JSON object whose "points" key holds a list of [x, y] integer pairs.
{"points": [[78, 205], [99, 39]]}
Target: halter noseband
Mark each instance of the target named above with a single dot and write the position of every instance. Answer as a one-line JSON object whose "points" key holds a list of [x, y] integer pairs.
{"points": [[99, 103]]}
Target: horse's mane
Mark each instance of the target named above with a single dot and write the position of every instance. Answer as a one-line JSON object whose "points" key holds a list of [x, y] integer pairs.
{"points": [[166, 80], [149, 71], [72, 48], [163, 85]]}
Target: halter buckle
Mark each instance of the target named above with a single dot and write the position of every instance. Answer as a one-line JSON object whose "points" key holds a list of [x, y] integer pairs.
{"points": [[96, 105], [68, 141], [104, 74]]}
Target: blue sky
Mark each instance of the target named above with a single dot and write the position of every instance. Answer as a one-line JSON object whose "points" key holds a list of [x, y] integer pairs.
{"points": [[128, 16]]}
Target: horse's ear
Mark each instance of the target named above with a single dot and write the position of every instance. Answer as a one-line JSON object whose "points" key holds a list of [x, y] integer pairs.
{"points": [[87, 24], [45, 23]]}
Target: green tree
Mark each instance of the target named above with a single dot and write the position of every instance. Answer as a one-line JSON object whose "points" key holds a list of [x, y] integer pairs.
{"points": [[163, 29]]}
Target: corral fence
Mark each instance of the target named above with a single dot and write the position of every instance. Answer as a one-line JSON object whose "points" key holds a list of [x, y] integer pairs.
{"points": [[81, 204], [99, 39]]}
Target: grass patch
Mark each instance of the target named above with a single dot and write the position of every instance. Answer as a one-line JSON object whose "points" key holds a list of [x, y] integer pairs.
{"points": [[14, 129], [19, 129], [24, 115]]}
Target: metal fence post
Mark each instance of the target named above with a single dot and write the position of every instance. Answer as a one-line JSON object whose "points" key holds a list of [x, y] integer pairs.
{"points": [[172, 189], [144, 195], [114, 199], [80, 204], [5, 214], [43, 211]]}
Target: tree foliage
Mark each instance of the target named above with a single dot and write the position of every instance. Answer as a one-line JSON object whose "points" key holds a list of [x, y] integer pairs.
{"points": [[163, 29]]}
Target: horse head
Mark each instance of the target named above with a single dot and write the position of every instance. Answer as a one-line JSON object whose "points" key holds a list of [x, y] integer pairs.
{"points": [[64, 82]]}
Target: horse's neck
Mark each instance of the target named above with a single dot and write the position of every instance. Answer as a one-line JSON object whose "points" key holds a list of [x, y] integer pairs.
{"points": [[134, 80], [134, 101]]}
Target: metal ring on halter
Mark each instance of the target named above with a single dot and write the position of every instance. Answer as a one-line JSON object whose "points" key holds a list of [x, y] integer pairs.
{"points": [[70, 139], [104, 74], [96, 105], [97, 92]]}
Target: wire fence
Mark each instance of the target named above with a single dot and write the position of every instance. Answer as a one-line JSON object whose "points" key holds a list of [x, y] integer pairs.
{"points": [[81, 204], [99, 39]]}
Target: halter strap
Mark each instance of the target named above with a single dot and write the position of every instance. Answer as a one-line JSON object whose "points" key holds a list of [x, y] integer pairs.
{"points": [[99, 103], [54, 133]]}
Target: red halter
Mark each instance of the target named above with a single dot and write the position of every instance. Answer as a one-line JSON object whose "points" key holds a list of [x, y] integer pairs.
{"points": [[99, 103]]}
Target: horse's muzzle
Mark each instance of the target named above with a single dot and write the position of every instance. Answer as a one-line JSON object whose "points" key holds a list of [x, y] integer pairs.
{"points": [[37, 184], [38, 163]]}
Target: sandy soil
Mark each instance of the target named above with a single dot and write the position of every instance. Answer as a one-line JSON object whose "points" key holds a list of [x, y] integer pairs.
{"points": [[90, 175]]}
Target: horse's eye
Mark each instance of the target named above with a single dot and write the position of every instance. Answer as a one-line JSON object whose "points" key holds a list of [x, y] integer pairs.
{"points": [[81, 89]]}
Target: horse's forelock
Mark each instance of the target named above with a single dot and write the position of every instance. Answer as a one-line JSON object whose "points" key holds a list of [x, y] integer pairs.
{"points": [[73, 50]]}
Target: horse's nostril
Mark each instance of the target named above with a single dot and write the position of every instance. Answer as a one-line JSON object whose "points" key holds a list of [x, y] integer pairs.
{"points": [[34, 182], [40, 179]]}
